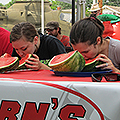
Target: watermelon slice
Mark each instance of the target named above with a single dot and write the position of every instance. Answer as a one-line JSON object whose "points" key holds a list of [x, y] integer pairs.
{"points": [[6, 55], [7, 64], [68, 62], [22, 62], [74, 62], [90, 65]]}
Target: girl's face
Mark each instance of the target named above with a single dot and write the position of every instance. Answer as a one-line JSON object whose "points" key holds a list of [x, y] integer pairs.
{"points": [[88, 51], [23, 47]]}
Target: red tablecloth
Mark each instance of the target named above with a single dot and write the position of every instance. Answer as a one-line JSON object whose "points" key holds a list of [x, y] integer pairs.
{"points": [[44, 75]]}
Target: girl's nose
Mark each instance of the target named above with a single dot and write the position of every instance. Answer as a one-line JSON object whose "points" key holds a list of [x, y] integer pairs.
{"points": [[20, 52]]}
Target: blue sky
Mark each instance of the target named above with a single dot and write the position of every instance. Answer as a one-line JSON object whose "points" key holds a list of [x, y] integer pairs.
{"points": [[4, 1]]}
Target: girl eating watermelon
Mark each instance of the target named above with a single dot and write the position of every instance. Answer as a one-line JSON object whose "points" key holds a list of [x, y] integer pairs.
{"points": [[26, 40], [86, 37]]}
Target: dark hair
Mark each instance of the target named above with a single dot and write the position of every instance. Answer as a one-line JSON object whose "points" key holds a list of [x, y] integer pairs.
{"points": [[25, 29], [87, 30]]}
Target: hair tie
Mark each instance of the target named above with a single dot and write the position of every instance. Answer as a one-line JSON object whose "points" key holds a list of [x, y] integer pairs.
{"points": [[92, 18]]}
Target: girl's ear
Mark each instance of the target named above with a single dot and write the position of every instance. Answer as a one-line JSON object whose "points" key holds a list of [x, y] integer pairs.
{"points": [[58, 29], [98, 40], [36, 40]]}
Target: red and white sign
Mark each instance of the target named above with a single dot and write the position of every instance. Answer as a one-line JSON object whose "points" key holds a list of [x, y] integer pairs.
{"points": [[51, 100]]}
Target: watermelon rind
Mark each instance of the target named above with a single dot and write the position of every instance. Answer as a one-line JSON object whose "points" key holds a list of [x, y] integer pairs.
{"points": [[91, 67], [22, 66], [11, 66], [74, 63]]}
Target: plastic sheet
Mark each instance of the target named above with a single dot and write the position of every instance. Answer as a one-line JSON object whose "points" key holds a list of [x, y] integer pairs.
{"points": [[111, 30]]}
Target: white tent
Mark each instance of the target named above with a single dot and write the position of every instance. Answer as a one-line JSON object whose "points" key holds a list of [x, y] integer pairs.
{"points": [[66, 1]]}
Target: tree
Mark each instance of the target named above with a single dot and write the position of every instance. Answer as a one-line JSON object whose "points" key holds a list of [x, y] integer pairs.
{"points": [[10, 3], [1, 4], [63, 5]]}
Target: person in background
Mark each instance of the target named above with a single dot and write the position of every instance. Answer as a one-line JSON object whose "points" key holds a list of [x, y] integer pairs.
{"points": [[5, 45], [26, 40], [86, 37], [53, 29], [95, 9]]}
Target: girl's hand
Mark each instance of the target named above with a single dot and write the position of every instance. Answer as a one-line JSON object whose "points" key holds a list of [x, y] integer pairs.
{"points": [[35, 64], [107, 63]]}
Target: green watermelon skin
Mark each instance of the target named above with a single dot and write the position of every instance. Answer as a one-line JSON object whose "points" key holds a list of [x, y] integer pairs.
{"points": [[22, 67], [75, 63], [91, 67], [12, 66]]}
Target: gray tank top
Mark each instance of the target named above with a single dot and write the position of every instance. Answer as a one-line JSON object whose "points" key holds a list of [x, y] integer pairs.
{"points": [[114, 52]]}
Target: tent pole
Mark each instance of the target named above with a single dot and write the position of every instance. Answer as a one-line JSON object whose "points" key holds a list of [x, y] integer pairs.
{"points": [[42, 18], [73, 12], [83, 8]]}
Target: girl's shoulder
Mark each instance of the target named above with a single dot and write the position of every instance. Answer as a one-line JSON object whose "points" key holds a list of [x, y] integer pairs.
{"points": [[114, 42]]}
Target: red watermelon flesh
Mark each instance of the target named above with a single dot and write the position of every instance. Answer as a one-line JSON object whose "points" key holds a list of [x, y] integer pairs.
{"points": [[22, 62], [67, 62], [90, 61], [6, 61], [90, 65], [6, 55], [24, 58], [60, 58], [9, 63]]}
